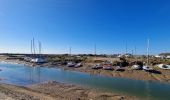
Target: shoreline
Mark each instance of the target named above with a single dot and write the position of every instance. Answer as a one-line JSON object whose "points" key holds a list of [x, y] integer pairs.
{"points": [[57, 91], [128, 73]]}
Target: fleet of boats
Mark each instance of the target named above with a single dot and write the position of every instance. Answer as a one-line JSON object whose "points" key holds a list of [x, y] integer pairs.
{"points": [[107, 65], [36, 58]]}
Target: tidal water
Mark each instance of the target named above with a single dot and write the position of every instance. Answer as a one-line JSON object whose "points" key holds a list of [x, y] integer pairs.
{"points": [[22, 75]]}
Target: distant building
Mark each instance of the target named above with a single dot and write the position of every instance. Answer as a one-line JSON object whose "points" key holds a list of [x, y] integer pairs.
{"points": [[167, 57], [160, 56]]}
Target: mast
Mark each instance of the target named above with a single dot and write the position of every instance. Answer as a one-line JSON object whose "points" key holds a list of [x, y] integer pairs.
{"points": [[95, 51], [70, 51], [39, 47], [148, 44], [132, 53], [31, 47], [126, 47], [135, 51]]}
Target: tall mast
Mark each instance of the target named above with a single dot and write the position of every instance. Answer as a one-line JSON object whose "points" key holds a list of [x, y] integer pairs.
{"points": [[95, 51], [39, 47], [31, 46], [148, 44], [126, 47], [135, 51], [132, 53], [70, 54], [70, 51]]}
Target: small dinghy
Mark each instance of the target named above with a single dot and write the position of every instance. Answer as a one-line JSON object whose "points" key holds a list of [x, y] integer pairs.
{"points": [[136, 67], [78, 65], [163, 66], [70, 64], [146, 68], [118, 68], [108, 67], [97, 66]]}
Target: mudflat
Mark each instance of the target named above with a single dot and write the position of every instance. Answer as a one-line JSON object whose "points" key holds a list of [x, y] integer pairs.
{"points": [[164, 76], [56, 91]]}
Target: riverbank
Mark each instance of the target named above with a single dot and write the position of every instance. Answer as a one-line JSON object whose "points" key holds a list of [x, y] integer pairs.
{"points": [[56, 91], [164, 76]]}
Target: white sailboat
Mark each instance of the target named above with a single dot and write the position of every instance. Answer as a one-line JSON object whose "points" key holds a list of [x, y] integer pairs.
{"points": [[70, 63], [146, 67], [39, 58]]}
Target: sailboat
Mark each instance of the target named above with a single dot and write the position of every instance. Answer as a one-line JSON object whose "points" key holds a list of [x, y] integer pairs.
{"points": [[136, 66], [96, 66], [146, 67], [108, 64], [70, 63], [39, 58]]}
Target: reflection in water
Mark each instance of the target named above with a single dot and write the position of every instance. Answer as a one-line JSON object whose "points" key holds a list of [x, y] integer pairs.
{"points": [[23, 75], [35, 74], [148, 90]]}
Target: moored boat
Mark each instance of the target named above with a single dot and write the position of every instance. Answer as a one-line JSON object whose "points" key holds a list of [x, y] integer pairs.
{"points": [[146, 68], [107, 67], [38, 60], [78, 65], [71, 64], [163, 66], [118, 68], [136, 67], [97, 66]]}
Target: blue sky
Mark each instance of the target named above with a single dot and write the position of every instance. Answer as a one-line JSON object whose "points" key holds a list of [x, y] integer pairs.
{"points": [[80, 24]]}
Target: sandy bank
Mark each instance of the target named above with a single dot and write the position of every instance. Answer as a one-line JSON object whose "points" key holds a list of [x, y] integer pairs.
{"points": [[56, 91]]}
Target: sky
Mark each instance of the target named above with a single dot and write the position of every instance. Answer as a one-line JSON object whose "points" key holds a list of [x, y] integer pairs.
{"points": [[80, 24]]}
